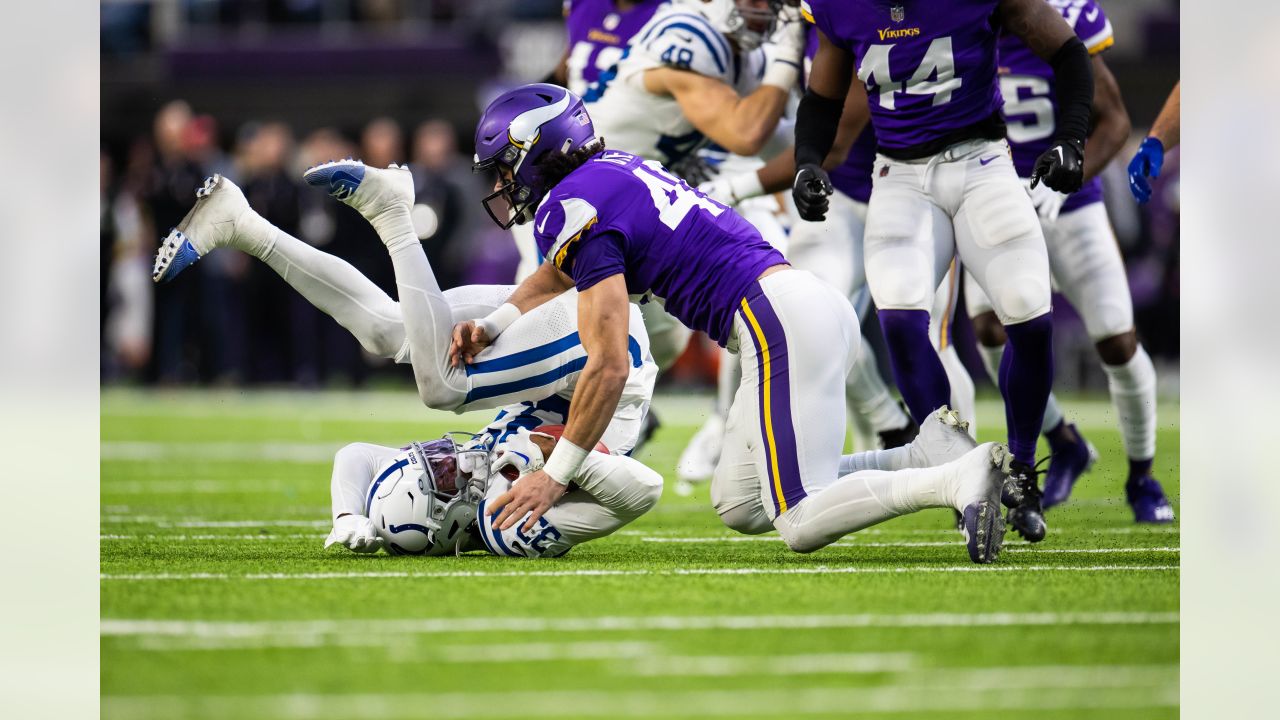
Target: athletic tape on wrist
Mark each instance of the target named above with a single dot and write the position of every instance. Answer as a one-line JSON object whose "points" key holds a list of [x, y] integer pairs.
{"points": [[782, 74], [499, 320], [565, 461]]}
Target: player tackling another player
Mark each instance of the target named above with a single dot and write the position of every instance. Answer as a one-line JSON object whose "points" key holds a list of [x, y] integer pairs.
{"points": [[615, 226]]}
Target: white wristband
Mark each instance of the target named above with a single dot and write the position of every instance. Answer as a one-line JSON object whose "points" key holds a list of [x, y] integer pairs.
{"points": [[746, 186], [498, 320], [564, 462], [782, 74]]}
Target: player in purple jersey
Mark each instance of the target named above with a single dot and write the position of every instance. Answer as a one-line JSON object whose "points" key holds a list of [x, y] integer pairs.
{"points": [[1085, 261], [614, 226], [945, 185], [598, 34], [832, 250]]}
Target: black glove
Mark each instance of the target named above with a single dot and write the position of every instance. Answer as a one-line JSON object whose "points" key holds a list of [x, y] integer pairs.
{"points": [[810, 191], [1061, 166]]}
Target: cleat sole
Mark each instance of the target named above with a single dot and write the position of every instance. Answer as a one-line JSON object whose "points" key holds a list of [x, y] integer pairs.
{"points": [[983, 531], [176, 254]]}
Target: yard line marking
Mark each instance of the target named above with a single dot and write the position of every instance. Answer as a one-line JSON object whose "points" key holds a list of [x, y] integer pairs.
{"points": [[291, 452], [1018, 545], [1133, 530], [1052, 688], [816, 570], [772, 665], [182, 538], [120, 627], [172, 523]]}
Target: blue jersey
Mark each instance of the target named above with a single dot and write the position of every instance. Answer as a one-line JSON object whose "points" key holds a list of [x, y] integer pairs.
{"points": [[621, 214], [929, 65]]}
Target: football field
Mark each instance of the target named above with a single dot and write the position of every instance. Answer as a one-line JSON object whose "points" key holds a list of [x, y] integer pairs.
{"points": [[218, 601]]}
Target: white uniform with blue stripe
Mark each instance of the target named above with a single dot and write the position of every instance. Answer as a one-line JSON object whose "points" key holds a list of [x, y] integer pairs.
{"points": [[532, 368], [654, 127]]}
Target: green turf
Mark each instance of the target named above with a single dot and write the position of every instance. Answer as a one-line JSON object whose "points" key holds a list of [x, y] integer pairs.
{"points": [[211, 501]]}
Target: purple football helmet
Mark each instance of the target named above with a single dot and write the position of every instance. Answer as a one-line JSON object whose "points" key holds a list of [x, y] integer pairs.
{"points": [[516, 131]]}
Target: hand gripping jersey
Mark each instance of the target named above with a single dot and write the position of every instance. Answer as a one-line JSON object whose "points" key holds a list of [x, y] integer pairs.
{"points": [[598, 35], [853, 176], [1030, 104], [929, 66], [631, 118], [621, 214]]}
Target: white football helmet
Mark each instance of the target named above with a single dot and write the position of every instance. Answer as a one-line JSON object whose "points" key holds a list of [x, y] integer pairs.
{"points": [[747, 22], [423, 501]]}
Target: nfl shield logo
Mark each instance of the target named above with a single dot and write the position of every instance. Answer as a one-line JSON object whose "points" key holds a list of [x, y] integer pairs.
{"points": [[897, 13], [884, 171]]}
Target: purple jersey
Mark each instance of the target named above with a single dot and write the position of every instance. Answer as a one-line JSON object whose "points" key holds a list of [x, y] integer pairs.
{"points": [[598, 34], [929, 67], [1027, 84], [853, 176], [619, 213]]}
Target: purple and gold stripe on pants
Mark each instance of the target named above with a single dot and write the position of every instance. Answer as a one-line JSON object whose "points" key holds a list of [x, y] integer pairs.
{"points": [[776, 427]]}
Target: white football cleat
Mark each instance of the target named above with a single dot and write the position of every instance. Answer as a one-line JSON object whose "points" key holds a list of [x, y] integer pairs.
{"points": [[698, 461], [943, 437], [371, 191], [211, 223]]}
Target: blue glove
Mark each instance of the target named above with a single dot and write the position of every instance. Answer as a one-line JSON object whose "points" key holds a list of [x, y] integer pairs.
{"points": [[1145, 164]]}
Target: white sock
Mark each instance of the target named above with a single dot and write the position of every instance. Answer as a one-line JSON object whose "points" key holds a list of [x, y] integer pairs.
{"points": [[868, 396], [395, 227], [1133, 393], [893, 459], [428, 324], [963, 399], [329, 283], [859, 501], [991, 357]]}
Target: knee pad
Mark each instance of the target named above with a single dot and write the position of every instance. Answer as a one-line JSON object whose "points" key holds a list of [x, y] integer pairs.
{"points": [[900, 278], [748, 519]]}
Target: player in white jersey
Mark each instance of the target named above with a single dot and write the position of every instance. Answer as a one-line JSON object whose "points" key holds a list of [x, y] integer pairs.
{"points": [[697, 72], [430, 498], [542, 358]]}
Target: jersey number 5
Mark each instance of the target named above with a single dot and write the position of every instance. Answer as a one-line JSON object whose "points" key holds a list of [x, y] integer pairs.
{"points": [[936, 75], [672, 197]]}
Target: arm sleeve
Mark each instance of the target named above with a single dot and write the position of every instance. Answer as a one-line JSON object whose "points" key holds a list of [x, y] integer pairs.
{"points": [[1073, 71], [598, 257], [353, 469], [817, 120]]}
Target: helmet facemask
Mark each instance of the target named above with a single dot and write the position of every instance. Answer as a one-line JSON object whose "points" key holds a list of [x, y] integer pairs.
{"points": [[510, 203], [750, 25]]}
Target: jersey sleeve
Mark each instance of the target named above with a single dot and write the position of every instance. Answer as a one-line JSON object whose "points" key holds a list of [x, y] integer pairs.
{"points": [[685, 41], [559, 226], [598, 257], [1092, 26]]}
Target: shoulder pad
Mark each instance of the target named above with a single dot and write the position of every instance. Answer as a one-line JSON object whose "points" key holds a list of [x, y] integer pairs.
{"points": [[686, 41], [1089, 21], [560, 223]]}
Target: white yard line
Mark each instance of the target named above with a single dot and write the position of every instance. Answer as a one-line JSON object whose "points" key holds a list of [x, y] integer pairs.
{"points": [[816, 570], [111, 627], [1082, 689]]}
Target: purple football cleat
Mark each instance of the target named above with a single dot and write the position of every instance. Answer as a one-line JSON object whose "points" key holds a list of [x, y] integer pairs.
{"points": [[1069, 462], [1147, 499]]}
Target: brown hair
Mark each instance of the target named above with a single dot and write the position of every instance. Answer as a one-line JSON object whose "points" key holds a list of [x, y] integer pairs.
{"points": [[554, 166]]}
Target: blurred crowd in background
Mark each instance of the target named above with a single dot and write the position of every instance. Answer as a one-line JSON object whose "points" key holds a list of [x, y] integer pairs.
{"points": [[259, 90]]}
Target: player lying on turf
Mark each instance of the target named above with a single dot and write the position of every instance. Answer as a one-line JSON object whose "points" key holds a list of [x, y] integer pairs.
{"points": [[614, 225], [431, 498]]}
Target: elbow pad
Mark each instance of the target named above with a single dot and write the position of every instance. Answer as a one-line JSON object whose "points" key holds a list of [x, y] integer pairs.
{"points": [[1073, 74], [817, 119]]}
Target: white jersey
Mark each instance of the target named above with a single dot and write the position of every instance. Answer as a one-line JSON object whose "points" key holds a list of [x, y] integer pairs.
{"points": [[654, 127]]}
